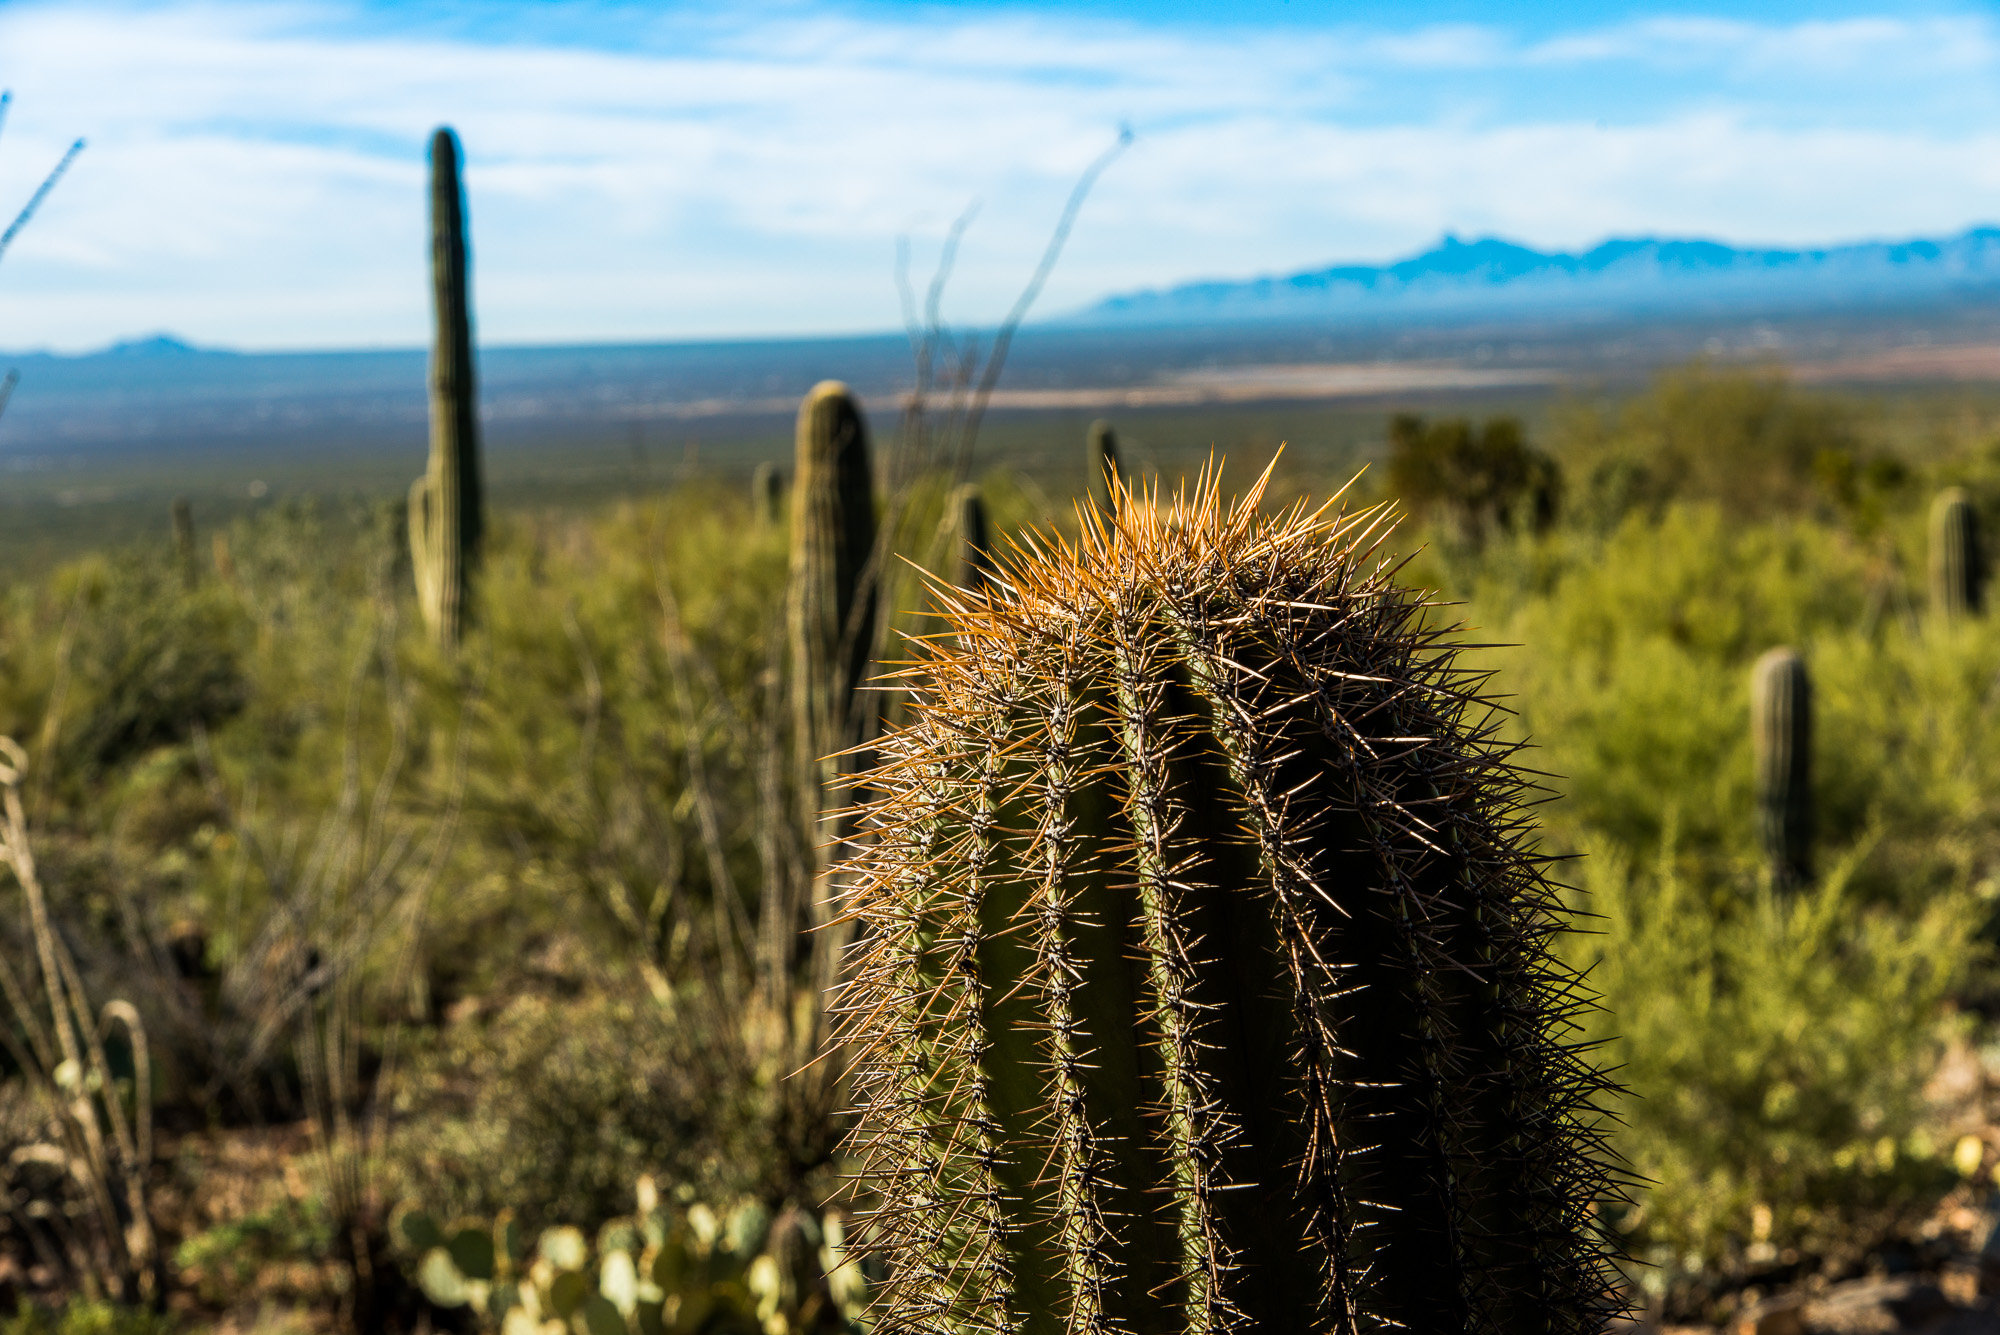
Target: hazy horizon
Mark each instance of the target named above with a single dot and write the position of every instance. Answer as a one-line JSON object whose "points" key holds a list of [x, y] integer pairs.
{"points": [[255, 171]]}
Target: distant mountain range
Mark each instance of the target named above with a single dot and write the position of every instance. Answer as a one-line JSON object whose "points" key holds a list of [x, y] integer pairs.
{"points": [[1641, 275]]}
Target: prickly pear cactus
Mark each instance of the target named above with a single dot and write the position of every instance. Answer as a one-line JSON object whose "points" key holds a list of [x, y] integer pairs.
{"points": [[1781, 750], [1203, 980], [1958, 570], [446, 520], [1101, 465], [673, 1268]]}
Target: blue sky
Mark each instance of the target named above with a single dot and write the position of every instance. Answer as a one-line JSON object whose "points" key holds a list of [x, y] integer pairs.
{"points": [[254, 176]]}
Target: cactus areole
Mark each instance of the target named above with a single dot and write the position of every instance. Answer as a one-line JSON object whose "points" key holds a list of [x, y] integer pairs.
{"points": [[445, 503], [1202, 979]]}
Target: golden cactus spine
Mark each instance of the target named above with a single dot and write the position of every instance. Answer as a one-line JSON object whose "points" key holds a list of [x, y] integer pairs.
{"points": [[446, 504], [1204, 979]]}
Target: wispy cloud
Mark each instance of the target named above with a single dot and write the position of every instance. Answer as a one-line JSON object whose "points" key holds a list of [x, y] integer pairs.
{"points": [[255, 170]]}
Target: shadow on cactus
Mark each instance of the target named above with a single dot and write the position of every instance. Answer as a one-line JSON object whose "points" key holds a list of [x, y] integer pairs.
{"points": [[1204, 978]]}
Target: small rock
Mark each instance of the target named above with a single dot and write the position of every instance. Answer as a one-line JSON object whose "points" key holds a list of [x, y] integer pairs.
{"points": [[1875, 1307], [1773, 1316]]}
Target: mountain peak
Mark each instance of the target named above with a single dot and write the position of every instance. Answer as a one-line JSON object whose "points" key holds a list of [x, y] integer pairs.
{"points": [[156, 345], [1492, 274]]}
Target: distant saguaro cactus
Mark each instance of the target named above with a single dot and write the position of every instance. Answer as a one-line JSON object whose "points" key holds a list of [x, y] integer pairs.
{"points": [[969, 563], [1958, 569], [446, 504], [1781, 748], [1204, 981], [184, 541], [767, 494], [1102, 470], [832, 599]]}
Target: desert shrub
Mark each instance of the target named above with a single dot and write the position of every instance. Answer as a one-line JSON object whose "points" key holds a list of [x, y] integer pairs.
{"points": [[551, 1108], [88, 1318], [1743, 439], [1473, 479], [150, 662], [1776, 1047]]}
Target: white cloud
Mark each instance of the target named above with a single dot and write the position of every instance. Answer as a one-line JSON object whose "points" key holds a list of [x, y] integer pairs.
{"points": [[255, 172]]}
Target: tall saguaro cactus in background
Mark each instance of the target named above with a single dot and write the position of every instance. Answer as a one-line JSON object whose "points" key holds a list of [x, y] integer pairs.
{"points": [[1205, 981], [969, 562], [446, 514], [183, 515], [1101, 465], [1958, 571], [767, 494], [1781, 749], [831, 613]]}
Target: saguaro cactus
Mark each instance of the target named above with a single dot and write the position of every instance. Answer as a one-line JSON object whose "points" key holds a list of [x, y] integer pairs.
{"points": [[1101, 465], [1204, 981], [1781, 748], [831, 612], [1958, 570], [184, 541], [767, 494], [446, 516], [970, 560]]}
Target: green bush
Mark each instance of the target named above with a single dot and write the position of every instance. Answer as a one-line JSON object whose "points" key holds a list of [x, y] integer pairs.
{"points": [[87, 1318], [1775, 1047]]}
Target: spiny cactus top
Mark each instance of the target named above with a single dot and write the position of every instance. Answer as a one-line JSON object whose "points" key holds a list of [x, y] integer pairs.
{"points": [[1202, 978]]}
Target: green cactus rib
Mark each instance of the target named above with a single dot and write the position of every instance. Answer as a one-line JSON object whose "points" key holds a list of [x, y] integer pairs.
{"points": [[1781, 748], [1202, 979], [446, 516], [1957, 567]]}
